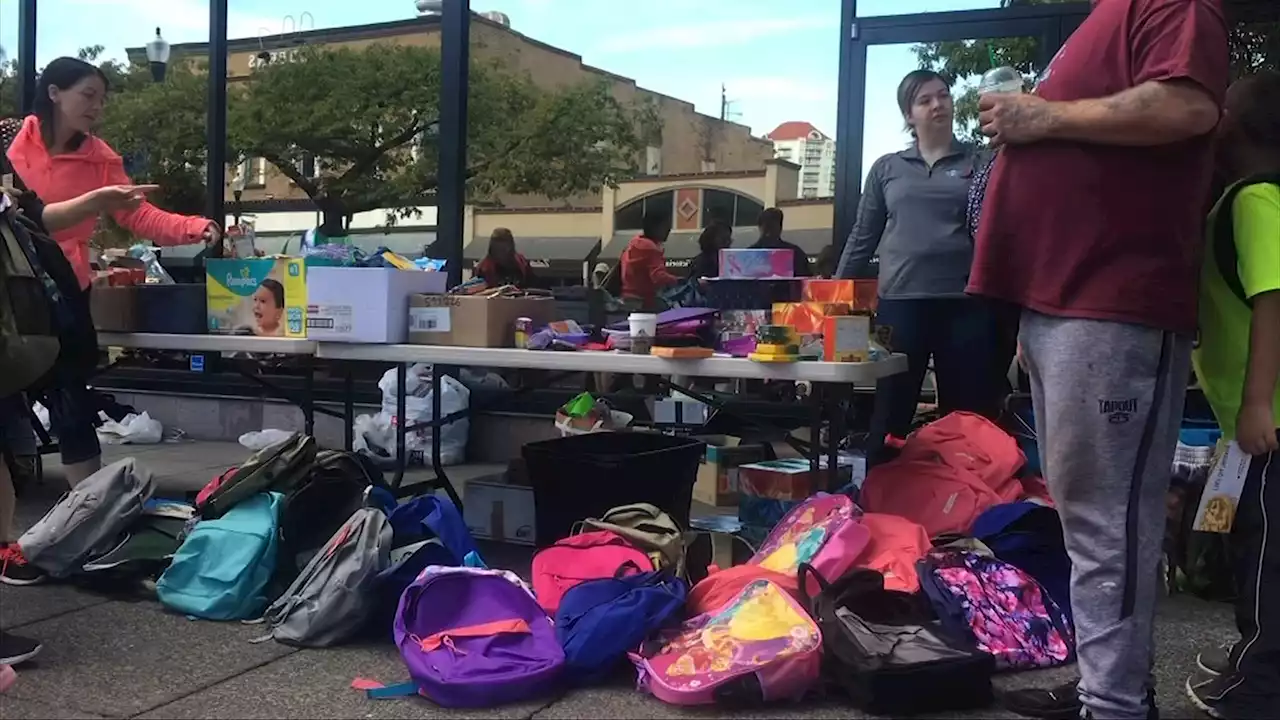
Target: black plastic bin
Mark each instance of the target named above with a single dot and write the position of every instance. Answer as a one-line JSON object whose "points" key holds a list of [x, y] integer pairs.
{"points": [[582, 476]]}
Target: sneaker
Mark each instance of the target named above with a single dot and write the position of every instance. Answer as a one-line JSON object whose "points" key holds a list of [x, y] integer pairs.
{"points": [[15, 649], [1058, 703], [1205, 689], [14, 568], [1216, 661]]}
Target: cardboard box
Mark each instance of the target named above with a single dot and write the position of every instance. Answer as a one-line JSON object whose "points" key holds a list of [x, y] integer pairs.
{"points": [[258, 296], [500, 512], [757, 263], [114, 309], [717, 482], [472, 321], [846, 339], [365, 305], [789, 479], [807, 317]]}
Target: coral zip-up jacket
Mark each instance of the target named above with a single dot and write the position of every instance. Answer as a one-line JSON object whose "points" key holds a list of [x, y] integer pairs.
{"points": [[57, 178]]}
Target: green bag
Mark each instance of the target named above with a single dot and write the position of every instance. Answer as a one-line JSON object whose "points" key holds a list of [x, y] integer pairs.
{"points": [[649, 529], [29, 344], [278, 468]]}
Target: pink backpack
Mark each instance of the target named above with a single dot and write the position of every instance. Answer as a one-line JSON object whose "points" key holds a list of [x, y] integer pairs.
{"points": [[947, 473], [577, 559], [760, 646], [825, 531]]}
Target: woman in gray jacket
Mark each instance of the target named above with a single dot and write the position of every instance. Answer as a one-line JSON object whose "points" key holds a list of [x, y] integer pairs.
{"points": [[913, 216]]}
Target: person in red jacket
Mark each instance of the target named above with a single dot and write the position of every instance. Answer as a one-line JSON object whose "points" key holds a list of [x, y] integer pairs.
{"points": [[644, 267], [502, 265]]}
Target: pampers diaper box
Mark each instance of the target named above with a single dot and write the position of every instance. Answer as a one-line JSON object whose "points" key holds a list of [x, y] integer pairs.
{"points": [[266, 297]]}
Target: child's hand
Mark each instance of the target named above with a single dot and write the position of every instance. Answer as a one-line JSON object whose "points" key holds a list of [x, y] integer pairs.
{"points": [[1256, 429]]}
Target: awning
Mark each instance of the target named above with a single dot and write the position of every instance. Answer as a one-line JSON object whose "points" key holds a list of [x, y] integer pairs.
{"points": [[548, 249]]}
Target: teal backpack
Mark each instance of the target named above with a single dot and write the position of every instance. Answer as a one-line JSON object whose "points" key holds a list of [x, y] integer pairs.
{"points": [[223, 567]]}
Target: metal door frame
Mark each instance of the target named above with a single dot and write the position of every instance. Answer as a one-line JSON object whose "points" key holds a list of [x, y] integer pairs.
{"points": [[1050, 24]]}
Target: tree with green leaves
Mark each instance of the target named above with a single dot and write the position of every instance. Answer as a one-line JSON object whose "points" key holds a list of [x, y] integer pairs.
{"points": [[369, 119], [1253, 47]]}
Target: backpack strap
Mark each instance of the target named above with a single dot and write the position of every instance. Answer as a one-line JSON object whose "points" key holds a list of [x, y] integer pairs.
{"points": [[1224, 235]]}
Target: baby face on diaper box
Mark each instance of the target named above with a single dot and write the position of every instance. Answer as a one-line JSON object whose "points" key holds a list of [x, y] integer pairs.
{"points": [[266, 297]]}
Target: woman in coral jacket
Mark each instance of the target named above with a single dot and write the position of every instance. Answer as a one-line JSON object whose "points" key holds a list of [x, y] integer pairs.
{"points": [[58, 159]]}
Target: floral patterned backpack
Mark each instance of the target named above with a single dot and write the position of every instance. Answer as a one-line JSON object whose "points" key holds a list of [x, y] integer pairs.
{"points": [[1003, 608]]}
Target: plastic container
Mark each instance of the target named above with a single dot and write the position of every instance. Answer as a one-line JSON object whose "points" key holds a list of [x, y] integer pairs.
{"points": [[1001, 80], [583, 476], [178, 309]]}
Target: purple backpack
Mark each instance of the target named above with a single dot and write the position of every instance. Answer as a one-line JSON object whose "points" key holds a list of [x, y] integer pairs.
{"points": [[1000, 606], [476, 638]]}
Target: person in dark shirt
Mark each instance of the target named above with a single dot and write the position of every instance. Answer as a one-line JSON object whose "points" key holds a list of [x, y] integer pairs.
{"points": [[502, 265], [1092, 224], [714, 238], [770, 226]]}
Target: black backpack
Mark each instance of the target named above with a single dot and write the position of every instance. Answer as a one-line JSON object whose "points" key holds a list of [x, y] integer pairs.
{"points": [[334, 488], [29, 338], [889, 653], [1224, 235]]}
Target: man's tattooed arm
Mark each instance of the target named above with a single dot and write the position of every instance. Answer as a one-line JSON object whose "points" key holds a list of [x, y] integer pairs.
{"points": [[1153, 113]]}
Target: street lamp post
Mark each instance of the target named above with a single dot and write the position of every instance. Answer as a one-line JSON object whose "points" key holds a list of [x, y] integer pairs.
{"points": [[158, 56]]}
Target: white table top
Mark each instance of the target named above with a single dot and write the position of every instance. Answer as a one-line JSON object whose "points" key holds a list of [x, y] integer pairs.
{"points": [[208, 343], [615, 362]]}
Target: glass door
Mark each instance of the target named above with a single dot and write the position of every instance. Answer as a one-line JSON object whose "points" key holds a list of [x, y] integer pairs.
{"points": [[963, 45]]}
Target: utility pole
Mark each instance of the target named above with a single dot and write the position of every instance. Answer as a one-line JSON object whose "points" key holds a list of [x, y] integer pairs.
{"points": [[726, 105]]}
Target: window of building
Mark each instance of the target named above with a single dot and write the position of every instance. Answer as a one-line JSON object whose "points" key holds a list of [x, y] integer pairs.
{"points": [[253, 171], [729, 207], [631, 215], [653, 160]]}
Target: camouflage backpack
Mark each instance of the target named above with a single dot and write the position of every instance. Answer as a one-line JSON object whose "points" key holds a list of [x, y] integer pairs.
{"points": [[29, 344]]}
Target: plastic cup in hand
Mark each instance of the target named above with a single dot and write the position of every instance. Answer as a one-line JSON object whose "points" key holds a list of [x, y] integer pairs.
{"points": [[1001, 80], [644, 327]]}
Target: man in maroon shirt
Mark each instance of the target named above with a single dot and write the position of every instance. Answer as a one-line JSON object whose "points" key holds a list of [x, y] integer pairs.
{"points": [[1092, 223]]}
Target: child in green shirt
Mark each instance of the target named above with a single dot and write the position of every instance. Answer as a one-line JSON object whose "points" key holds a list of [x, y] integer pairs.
{"points": [[1238, 365]]}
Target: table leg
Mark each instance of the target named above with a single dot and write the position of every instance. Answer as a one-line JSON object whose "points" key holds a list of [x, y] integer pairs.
{"points": [[437, 465], [836, 422], [401, 460], [348, 408], [309, 396], [817, 407]]}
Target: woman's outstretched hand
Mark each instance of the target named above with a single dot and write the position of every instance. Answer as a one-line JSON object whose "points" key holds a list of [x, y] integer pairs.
{"points": [[212, 235], [121, 197]]}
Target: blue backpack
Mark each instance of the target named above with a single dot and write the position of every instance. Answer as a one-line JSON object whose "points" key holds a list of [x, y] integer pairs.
{"points": [[425, 531], [1029, 536], [599, 621], [222, 569]]}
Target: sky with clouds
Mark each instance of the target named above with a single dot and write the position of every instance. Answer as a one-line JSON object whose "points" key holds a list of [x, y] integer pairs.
{"points": [[779, 61]]}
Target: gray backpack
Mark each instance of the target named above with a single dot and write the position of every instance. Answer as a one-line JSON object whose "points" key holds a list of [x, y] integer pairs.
{"points": [[88, 521], [332, 599]]}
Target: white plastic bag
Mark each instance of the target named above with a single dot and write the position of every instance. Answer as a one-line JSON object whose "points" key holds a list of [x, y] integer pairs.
{"points": [[377, 432], [259, 439], [132, 430], [42, 414]]}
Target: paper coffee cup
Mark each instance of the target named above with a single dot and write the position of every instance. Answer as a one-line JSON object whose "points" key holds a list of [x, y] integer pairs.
{"points": [[644, 326]]}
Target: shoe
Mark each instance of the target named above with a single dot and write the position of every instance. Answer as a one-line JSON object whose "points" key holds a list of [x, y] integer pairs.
{"points": [[7, 678], [14, 568], [15, 649], [1206, 689], [1058, 703], [1216, 661]]}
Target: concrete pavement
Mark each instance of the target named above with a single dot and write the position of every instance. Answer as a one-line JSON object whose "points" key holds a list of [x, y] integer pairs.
{"points": [[106, 657]]}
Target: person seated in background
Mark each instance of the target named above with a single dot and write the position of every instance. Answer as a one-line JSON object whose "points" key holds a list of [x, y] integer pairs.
{"points": [[644, 266], [714, 238], [502, 265], [770, 225]]}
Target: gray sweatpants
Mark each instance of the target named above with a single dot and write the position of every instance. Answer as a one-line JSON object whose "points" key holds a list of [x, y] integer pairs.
{"points": [[1108, 404]]}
